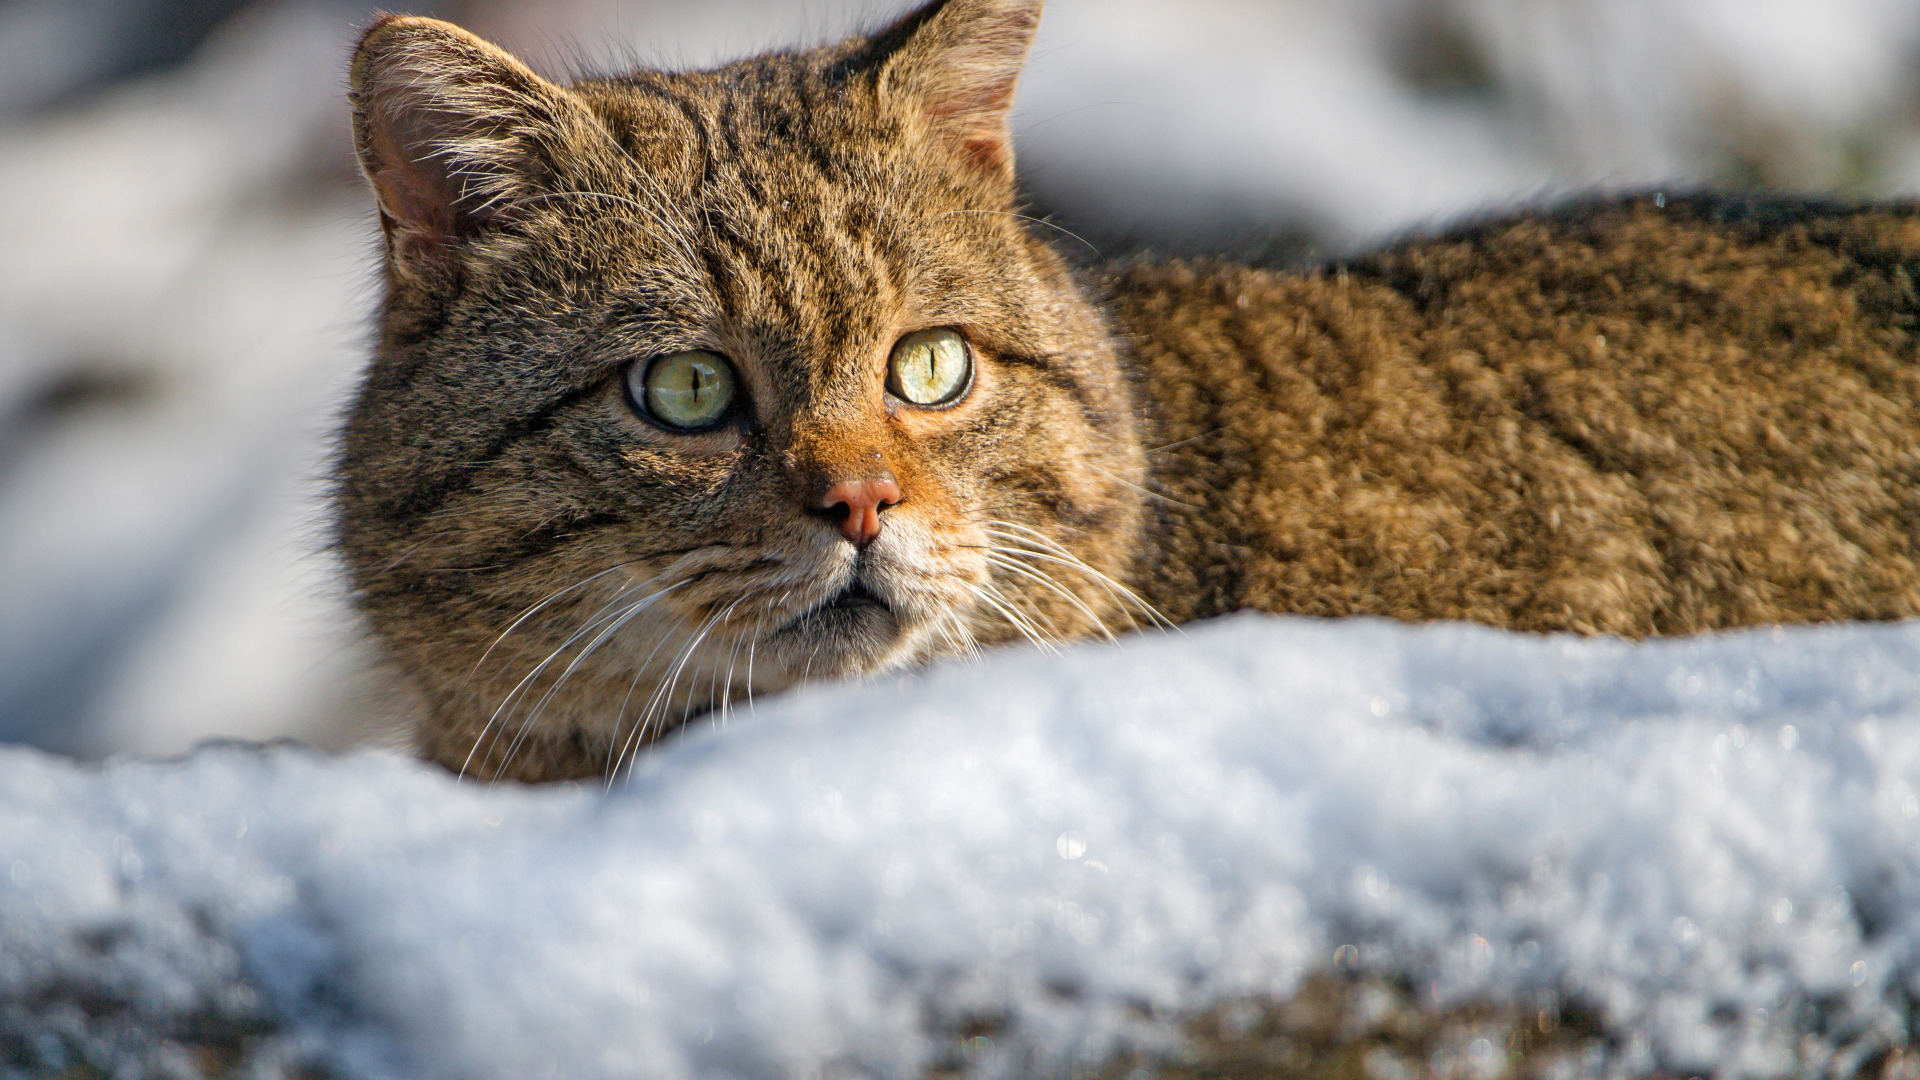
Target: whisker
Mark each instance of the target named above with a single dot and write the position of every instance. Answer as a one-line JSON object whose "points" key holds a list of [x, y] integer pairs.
{"points": [[752, 644], [686, 707], [618, 718], [683, 553], [679, 666], [953, 629], [548, 599], [726, 685], [1047, 581], [1149, 493], [1058, 552], [1123, 596], [663, 692], [593, 623], [613, 626], [1184, 442], [994, 599], [1036, 221], [639, 673]]}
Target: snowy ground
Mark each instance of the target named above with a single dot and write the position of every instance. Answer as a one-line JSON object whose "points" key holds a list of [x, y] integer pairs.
{"points": [[1714, 843]]}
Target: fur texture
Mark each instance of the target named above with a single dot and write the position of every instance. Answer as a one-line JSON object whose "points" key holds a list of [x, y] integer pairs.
{"points": [[1643, 416], [1631, 417]]}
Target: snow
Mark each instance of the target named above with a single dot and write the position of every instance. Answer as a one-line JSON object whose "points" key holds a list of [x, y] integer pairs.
{"points": [[1715, 842]]}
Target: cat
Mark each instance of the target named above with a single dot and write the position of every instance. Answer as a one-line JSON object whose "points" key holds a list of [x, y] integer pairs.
{"points": [[691, 387]]}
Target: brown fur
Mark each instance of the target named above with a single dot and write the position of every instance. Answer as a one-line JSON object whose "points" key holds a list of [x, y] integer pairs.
{"points": [[1619, 417], [1643, 416]]}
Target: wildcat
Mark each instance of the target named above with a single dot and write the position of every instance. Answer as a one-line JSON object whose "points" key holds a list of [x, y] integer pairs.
{"points": [[693, 386]]}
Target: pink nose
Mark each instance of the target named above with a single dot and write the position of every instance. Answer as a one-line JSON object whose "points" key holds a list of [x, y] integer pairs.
{"points": [[863, 499]]}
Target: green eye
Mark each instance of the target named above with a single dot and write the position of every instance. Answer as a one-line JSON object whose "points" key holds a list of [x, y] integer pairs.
{"points": [[929, 367], [685, 390]]}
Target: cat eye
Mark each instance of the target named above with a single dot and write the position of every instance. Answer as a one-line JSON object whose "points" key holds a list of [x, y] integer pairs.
{"points": [[688, 391], [930, 367]]}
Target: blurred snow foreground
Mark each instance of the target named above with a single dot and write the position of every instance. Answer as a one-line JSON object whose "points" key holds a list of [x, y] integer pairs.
{"points": [[1714, 844]]}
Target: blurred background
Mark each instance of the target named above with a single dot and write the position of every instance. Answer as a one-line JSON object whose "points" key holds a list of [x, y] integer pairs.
{"points": [[187, 256]]}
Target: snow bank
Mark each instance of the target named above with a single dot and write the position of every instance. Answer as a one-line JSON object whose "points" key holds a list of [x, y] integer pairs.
{"points": [[1715, 843]]}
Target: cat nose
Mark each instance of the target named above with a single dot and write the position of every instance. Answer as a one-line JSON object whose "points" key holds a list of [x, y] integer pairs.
{"points": [[858, 504]]}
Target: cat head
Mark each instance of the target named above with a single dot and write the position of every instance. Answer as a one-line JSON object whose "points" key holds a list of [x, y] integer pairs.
{"points": [[695, 385]]}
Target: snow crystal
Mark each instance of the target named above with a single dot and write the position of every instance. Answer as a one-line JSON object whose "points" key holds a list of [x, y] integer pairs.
{"points": [[1708, 841]]}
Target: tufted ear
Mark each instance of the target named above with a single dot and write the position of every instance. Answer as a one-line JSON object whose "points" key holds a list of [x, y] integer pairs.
{"points": [[452, 132], [958, 61]]}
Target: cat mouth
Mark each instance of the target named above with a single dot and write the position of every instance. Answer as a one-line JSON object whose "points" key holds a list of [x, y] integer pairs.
{"points": [[852, 602], [852, 598], [851, 629]]}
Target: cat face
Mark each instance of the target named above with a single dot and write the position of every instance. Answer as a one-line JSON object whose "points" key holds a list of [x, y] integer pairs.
{"points": [[698, 385]]}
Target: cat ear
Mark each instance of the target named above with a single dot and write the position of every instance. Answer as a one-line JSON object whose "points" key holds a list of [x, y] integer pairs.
{"points": [[958, 61], [451, 132]]}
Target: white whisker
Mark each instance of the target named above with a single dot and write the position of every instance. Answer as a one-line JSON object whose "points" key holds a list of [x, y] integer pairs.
{"points": [[1059, 553], [663, 693], [593, 623], [994, 599], [1048, 582], [537, 607], [612, 627], [752, 644], [639, 673], [1149, 493]]}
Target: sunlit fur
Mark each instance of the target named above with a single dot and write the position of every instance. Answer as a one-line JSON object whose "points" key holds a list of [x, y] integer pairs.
{"points": [[564, 580], [1638, 415], [1635, 416]]}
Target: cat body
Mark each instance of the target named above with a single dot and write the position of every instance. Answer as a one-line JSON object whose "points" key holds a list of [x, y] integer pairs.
{"points": [[696, 386], [1634, 416]]}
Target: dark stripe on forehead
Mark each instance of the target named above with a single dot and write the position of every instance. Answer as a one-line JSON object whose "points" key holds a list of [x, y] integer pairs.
{"points": [[729, 124], [738, 254], [821, 147], [862, 274], [725, 240]]}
